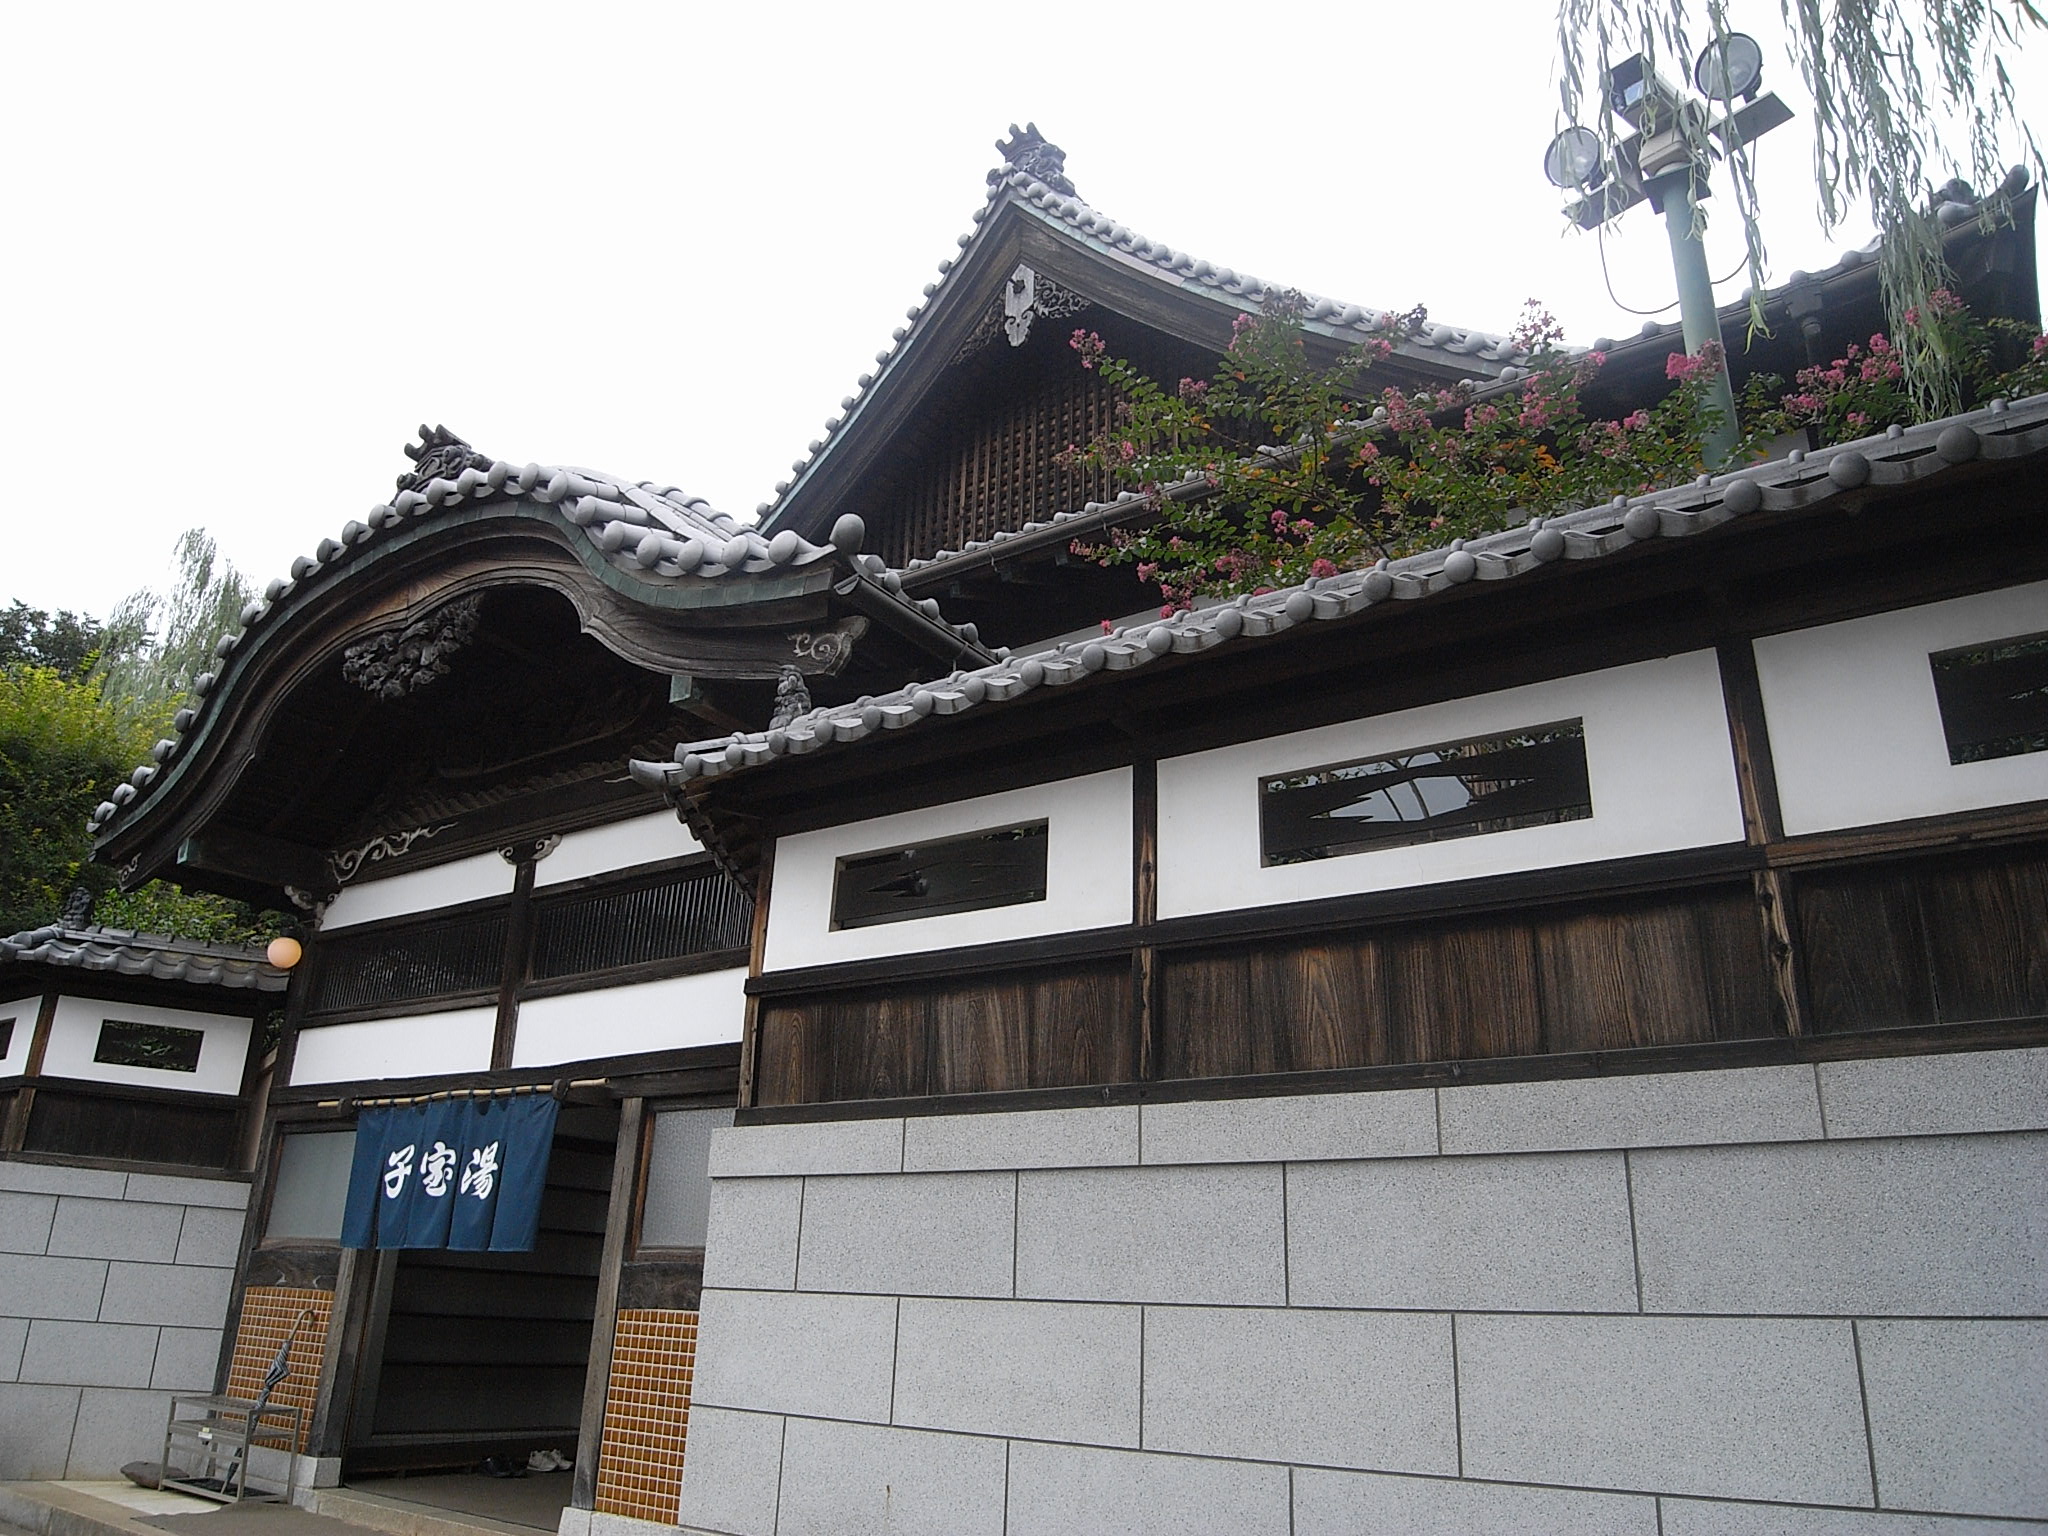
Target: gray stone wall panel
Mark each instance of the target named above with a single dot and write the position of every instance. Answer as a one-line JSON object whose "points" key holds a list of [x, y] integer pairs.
{"points": [[1368, 1504], [13, 1340], [181, 1295], [1293, 1129], [1697, 1517], [211, 1237], [186, 1359], [1544, 1232], [733, 1472], [1349, 1389], [36, 1286], [25, 1222], [750, 1243], [38, 1422], [227, 1194], [1959, 1415], [1653, 1109], [1063, 1490], [932, 1234], [116, 1229], [116, 1426], [841, 1146], [1970, 1091], [56, 1179], [1736, 1408], [860, 1480], [89, 1354], [787, 1352], [1039, 1369], [1191, 1235], [1043, 1138], [1942, 1226]]}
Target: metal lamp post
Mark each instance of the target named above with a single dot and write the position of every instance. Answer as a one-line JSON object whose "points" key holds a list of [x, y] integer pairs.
{"points": [[1665, 161]]}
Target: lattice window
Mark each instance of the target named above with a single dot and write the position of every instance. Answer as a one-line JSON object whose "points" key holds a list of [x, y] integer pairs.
{"points": [[159, 1047], [695, 913], [443, 959], [1528, 778]]}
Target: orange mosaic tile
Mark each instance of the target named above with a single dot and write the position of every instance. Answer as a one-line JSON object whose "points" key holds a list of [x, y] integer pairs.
{"points": [[268, 1313], [646, 1414]]}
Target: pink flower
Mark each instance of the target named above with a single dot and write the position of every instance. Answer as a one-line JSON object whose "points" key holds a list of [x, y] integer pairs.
{"points": [[1089, 345], [1193, 389], [1147, 569], [1322, 569], [1127, 451], [1107, 627]]}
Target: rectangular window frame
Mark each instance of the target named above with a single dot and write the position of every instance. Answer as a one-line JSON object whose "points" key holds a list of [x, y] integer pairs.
{"points": [[1036, 832], [137, 1061], [1272, 786], [1950, 667]]}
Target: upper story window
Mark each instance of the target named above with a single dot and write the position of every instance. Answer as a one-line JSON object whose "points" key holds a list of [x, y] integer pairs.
{"points": [[1993, 698], [440, 957], [161, 1047], [1528, 778], [997, 868], [694, 913]]}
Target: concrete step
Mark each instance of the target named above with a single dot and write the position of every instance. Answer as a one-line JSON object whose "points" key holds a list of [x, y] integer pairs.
{"points": [[403, 1517]]}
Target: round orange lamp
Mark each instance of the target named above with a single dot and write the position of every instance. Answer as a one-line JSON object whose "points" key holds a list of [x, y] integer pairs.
{"points": [[284, 953]]}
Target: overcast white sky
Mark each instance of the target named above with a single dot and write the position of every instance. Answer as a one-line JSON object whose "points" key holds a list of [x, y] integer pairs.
{"points": [[249, 248]]}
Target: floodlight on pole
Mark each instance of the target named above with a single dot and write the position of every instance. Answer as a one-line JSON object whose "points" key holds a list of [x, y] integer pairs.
{"points": [[1665, 162]]}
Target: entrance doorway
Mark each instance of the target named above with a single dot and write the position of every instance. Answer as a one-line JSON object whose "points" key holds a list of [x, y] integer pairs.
{"points": [[471, 1356]]}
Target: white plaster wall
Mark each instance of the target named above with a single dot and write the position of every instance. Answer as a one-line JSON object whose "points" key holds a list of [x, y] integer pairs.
{"points": [[420, 1045], [620, 846], [1657, 755], [680, 1011], [23, 1011], [75, 1035], [422, 890], [1783, 1301], [1087, 870], [1855, 728]]}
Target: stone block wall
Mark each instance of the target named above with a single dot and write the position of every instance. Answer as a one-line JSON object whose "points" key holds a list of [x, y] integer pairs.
{"points": [[113, 1294], [1784, 1301]]}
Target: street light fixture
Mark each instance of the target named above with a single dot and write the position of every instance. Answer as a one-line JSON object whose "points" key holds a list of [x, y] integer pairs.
{"points": [[1665, 162]]}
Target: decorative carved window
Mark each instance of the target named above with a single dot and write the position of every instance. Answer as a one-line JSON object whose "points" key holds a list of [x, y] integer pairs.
{"points": [[1528, 778], [1993, 698], [999, 868], [446, 958], [161, 1047], [701, 911]]}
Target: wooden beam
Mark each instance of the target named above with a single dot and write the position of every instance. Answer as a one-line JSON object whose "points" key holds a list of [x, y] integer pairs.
{"points": [[518, 944], [1145, 909], [757, 949], [15, 1133], [1763, 822], [270, 862]]}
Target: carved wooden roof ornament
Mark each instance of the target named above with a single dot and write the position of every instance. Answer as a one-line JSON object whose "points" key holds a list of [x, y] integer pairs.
{"points": [[441, 455], [393, 664]]}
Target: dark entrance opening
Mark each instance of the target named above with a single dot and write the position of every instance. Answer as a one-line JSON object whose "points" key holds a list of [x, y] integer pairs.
{"points": [[475, 1355]]}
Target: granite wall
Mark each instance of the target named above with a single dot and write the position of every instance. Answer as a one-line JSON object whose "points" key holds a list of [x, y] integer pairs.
{"points": [[1786, 1301], [113, 1293]]}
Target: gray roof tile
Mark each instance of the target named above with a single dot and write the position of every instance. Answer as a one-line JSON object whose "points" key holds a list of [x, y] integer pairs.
{"points": [[157, 957], [1899, 457]]}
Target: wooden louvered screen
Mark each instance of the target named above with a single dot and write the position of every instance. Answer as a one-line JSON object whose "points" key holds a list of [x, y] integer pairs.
{"points": [[1003, 473], [695, 913], [447, 958]]}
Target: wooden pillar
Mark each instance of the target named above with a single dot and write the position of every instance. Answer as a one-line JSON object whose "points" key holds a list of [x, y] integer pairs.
{"points": [[14, 1134], [1145, 910], [518, 940], [757, 947], [1762, 821], [618, 1224]]}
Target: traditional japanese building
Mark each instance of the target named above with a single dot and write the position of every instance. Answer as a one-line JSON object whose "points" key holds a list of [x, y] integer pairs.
{"points": [[1539, 1035]]}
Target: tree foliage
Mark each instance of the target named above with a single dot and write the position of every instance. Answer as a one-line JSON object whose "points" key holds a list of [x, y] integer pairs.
{"points": [[1888, 78], [81, 702]]}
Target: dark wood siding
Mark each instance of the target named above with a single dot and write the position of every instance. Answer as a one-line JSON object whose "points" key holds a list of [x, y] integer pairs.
{"points": [[87, 1122]]}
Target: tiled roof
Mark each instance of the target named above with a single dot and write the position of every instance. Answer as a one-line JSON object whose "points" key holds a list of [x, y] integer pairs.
{"points": [[122, 952], [1060, 209], [652, 534], [1900, 457]]}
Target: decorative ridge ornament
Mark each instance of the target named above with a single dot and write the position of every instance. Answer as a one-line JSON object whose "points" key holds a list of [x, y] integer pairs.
{"points": [[1028, 150], [393, 664], [441, 455], [792, 699]]}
